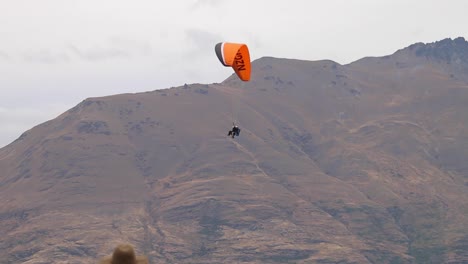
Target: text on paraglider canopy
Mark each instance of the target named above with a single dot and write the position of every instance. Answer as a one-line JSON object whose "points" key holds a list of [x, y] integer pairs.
{"points": [[239, 62]]}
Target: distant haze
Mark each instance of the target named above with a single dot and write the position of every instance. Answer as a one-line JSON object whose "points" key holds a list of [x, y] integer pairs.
{"points": [[55, 53]]}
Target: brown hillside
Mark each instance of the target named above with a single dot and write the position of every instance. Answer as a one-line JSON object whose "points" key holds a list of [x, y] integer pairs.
{"points": [[358, 163]]}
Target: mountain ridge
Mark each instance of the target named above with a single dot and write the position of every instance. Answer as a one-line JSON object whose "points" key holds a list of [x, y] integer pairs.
{"points": [[335, 163]]}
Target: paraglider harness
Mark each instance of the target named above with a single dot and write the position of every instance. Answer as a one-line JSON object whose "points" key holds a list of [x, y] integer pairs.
{"points": [[235, 131]]}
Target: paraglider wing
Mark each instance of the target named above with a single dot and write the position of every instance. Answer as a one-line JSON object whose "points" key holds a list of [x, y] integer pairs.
{"points": [[235, 55], [219, 49]]}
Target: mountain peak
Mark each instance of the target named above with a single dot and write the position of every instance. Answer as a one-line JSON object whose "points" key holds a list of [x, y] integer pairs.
{"points": [[446, 50]]}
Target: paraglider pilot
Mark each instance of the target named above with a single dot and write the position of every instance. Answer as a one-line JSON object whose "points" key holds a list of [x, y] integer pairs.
{"points": [[235, 131]]}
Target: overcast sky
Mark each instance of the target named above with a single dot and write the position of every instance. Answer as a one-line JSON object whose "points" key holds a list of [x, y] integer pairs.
{"points": [[56, 53]]}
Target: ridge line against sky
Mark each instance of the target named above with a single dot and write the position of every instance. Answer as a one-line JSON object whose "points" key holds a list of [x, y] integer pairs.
{"points": [[55, 53]]}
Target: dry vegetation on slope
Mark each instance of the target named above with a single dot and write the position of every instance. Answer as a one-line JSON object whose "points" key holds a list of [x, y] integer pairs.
{"points": [[358, 163]]}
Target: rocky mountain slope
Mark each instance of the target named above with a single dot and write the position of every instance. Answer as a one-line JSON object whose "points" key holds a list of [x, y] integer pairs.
{"points": [[358, 163]]}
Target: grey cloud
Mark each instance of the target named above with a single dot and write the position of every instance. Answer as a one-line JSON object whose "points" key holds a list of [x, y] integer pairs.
{"points": [[201, 44], [203, 3], [46, 57], [116, 47], [73, 52], [4, 56], [136, 47], [203, 40], [99, 54]]}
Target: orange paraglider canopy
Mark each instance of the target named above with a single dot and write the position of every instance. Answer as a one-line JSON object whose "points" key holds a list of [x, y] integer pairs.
{"points": [[235, 55]]}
